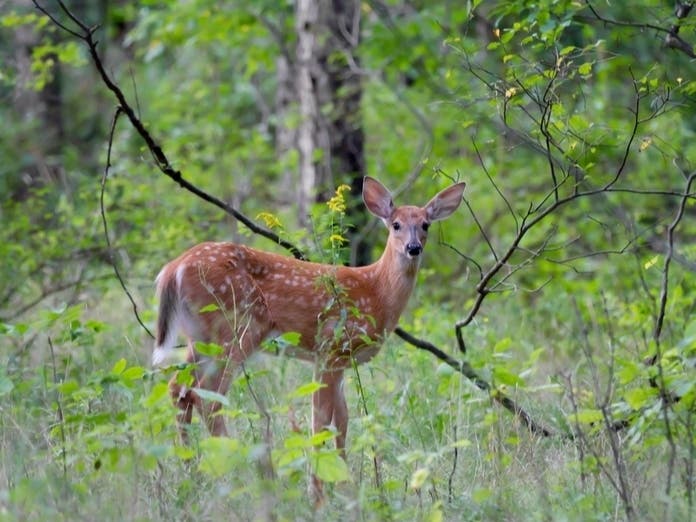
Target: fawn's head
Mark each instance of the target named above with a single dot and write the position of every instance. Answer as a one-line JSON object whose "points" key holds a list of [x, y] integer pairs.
{"points": [[408, 225]]}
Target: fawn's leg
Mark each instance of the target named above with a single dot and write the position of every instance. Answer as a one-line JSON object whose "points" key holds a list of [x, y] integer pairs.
{"points": [[329, 406], [185, 400], [340, 417], [215, 374], [239, 325], [210, 375]]}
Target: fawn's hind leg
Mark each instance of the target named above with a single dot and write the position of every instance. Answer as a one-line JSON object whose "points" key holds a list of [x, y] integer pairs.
{"points": [[238, 325], [212, 374]]}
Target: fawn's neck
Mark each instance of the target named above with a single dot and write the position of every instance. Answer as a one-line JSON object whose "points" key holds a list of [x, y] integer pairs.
{"points": [[395, 277]]}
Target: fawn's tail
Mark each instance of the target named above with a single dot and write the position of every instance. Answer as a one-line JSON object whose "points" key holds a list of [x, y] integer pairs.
{"points": [[165, 340]]}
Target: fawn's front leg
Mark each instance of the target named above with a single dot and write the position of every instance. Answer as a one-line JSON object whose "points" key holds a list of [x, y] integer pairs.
{"points": [[329, 407]]}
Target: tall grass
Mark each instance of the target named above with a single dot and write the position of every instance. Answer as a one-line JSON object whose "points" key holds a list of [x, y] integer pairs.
{"points": [[88, 434]]}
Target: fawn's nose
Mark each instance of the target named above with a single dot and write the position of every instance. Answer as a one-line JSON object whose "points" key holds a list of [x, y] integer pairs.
{"points": [[414, 249]]}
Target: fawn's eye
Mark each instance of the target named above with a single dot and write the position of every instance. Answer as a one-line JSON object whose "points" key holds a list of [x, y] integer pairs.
{"points": [[396, 225], [425, 226]]}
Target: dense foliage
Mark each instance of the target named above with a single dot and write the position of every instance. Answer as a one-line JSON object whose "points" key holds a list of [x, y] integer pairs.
{"points": [[567, 274]]}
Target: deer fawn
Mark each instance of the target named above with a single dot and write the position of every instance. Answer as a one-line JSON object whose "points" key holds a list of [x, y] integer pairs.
{"points": [[342, 314]]}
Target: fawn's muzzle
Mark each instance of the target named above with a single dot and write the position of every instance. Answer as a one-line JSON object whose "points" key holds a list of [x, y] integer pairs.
{"points": [[414, 249]]}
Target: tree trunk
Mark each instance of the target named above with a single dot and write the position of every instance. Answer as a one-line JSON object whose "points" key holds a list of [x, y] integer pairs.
{"points": [[330, 138], [285, 132], [347, 151], [311, 80], [42, 109]]}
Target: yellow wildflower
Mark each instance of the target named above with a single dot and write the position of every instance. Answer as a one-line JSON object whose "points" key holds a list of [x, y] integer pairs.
{"points": [[271, 220], [337, 238], [338, 203]]}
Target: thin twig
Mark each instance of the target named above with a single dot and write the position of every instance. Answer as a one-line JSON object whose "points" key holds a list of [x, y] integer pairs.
{"points": [[379, 484], [672, 38], [59, 412], [659, 323], [76, 283], [110, 250], [455, 458], [500, 193]]}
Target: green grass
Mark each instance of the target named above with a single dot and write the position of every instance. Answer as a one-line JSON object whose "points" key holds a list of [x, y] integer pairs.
{"points": [[430, 447]]}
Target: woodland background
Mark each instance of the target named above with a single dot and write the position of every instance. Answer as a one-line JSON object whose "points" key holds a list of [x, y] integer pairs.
{"points": [[549, 373]]}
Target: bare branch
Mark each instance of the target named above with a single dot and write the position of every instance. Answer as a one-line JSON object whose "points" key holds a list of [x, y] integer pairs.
{"points": [[672, 38], [158, 154], [76, 284], [668, 259], [465, 369], [110, 250], [497, 189], [60, 418], [667, 398]]}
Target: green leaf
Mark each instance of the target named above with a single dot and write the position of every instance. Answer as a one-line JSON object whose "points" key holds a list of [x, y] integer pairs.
{"points": [[651, 262], [628, 371], [306, 389], [12, 19], [436, 514], [6, 385], [585, 69], [637, 398], [419, 477], [159, 392], [320, 438], [329, 466], [212, 307], [220, 455], [68, 387], [502, 345], [481, 495], [208, 395], [133, 373], [292, 338], [119, 366], [587, 416], [504, 376], [209, 349], [288, 457], [296, 440]]}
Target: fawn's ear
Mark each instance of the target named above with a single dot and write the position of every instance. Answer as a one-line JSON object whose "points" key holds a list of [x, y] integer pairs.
{"points": [[377, 198], [445, 202]]}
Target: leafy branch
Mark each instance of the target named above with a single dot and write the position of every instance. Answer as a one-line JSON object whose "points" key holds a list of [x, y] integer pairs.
{"points": [[87, 36], [536, 214], [672, 38]]}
